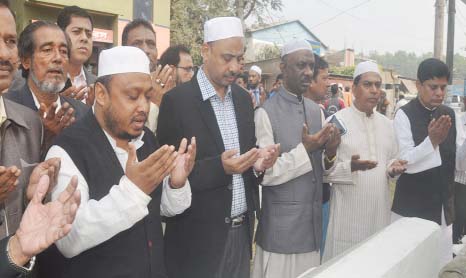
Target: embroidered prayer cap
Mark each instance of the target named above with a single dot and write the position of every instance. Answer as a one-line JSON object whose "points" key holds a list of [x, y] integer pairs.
{"points": [[123, 59], [220, 28], [364, 67], [256, 69], [295, 45]]}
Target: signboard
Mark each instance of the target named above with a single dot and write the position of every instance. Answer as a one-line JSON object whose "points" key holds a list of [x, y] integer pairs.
{"points": [[102, 35]]}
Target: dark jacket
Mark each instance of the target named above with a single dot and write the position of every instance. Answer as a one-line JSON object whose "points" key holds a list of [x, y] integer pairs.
{"points": [[196, 239], [423, 194], [20, 146]]}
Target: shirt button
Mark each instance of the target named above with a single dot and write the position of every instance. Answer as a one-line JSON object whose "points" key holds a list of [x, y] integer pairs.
{"points": [[227, 220], [230, 186]]}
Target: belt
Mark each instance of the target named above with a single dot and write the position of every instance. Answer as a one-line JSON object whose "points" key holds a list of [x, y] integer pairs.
{"points": [[236, 221]]}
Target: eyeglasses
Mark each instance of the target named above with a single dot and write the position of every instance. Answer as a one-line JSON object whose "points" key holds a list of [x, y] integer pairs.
{"points": [[188, 69]]}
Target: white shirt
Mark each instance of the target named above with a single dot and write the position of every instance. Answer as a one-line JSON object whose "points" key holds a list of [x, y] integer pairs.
{"points": [[99, 220], [80, 79], [421, 157], [460, 173]]}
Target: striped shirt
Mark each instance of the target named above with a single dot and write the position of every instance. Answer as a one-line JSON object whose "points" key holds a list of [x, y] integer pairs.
{"points": [[226, 119]]}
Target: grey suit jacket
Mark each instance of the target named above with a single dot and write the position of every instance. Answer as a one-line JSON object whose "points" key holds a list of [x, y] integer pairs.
{"points": [[21, 138]]}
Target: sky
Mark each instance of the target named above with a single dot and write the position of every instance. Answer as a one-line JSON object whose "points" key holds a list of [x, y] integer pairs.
{"points": [[368, 25]]}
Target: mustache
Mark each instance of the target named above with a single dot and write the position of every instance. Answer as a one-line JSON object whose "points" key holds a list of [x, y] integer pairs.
{"points": [[140, 116], [56, 69], [7, 64]]}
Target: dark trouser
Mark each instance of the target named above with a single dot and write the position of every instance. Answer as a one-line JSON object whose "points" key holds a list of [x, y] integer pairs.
{"points": [[235, 259], [459, 225]]}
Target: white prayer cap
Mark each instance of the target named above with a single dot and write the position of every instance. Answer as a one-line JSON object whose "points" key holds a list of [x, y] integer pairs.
{"points": [[123, 59], [364, 67], [295, 45], [220, 28], [256, 69]]}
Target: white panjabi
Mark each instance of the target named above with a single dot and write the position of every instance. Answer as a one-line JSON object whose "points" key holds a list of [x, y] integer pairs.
{"points": [[220, 28], [123, 59]]}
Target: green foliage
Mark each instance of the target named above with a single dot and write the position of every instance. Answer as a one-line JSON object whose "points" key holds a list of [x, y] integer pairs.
{"points": [[188, 17], [342, 70], [268, 52]]}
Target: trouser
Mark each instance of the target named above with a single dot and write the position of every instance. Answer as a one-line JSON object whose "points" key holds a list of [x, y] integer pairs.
{"points": [[236, 256], [459, 225]]}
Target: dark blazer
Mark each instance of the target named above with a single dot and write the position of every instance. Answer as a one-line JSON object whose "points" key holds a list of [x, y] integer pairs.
{"points": [[90, 77], [24, 97], [195, 240]]}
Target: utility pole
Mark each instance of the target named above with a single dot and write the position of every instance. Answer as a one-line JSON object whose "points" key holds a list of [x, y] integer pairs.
{"points": [[451, 36], [439, 27]]}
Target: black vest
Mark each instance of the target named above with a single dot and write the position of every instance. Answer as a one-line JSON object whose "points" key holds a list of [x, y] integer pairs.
{"points": [[423, 194], [136, 252]]}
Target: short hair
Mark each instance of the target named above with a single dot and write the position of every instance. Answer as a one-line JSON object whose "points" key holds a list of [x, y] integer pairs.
{"points": [[171, 56], [347, 88], [133, 25], [279, 77], [6, 4], [432, 68], [65, 15], [357, 79], [244, 76], [105, 80], [26, 43], [320, 64]]}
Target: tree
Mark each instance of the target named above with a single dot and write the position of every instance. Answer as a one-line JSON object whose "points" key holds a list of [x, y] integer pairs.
{"points": [[188, 17], [342, 70], [268, 52]]}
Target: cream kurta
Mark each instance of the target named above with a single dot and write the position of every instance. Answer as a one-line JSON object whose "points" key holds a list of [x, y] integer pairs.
{"points": [[360, 201]]}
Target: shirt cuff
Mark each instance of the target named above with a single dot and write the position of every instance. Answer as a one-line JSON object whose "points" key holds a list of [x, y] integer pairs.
{"points": [[127, 186], [175, 200]]}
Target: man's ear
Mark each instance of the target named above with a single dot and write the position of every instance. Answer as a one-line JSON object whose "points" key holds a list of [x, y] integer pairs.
{"points": [[26, 63], [205, 49], [101, 94]]}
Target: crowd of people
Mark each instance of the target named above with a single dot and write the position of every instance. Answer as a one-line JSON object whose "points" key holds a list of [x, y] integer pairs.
{"points": [[90, 166]]}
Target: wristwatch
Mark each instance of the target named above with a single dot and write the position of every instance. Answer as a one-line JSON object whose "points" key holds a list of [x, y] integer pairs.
{"points": [[26, 269]]}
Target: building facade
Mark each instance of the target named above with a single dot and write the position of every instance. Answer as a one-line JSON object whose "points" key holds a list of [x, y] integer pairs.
{"points": [[110, 18]]}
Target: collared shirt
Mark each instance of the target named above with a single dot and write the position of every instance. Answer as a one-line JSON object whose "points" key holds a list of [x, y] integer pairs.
{"points": [[79, 80], [226, 119], [3, 116], [421, 157], [99, 220], [460, 173]]}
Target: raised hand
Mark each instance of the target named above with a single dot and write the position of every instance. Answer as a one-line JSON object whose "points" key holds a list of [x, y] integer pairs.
{"points": [[149, 173], [397, 167], [184, 163], [361, 165], [317, 140], [55, 122], [438, 129], [267, 157], [163, 82], [333, 142], [8, 181], [233, 164], [51, 168], [42, 225], [91, 95], [78, 93]]}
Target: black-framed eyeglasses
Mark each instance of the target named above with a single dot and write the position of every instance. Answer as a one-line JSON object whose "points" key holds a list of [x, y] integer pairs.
{"points": [[188, 69]]}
